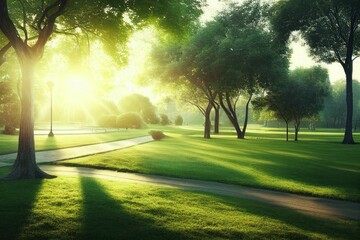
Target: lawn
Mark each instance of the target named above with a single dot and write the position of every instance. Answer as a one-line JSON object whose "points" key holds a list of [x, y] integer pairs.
{"points": [[90, 208], [317, 165], [8, 143]]}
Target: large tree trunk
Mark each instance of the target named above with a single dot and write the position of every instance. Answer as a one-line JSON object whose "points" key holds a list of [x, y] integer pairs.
{"points": [[207, 124], [348, 136], [348, 69], [25, 164]]}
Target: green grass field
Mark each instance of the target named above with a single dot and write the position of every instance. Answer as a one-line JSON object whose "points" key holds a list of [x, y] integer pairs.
{"points": [[87, 208], [8, 143], [316, 165], [90, 208]]}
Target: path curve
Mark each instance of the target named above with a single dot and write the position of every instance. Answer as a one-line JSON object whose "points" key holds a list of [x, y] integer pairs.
{"points": [[308, 205], [303, 204], [79, 151]]}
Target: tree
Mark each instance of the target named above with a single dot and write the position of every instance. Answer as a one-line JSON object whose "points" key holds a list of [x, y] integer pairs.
{"points": [[164, 119], [334, 113], [9, 108], [248, 60], [129, 120], [182, 66], [311, 86], [28, 27], [178, 120], [301, 96], [331, 29], [142, 105]]}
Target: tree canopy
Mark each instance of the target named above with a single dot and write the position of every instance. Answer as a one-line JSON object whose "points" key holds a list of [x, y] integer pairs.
{"points": [[301, 96], [140, 104], [28, 26], [331, 29]]}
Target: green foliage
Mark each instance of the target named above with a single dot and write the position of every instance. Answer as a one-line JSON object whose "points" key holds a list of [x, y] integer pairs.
{"points": [[334, 113], [301, 96], [110, 21], [129, 120], [141, 105], [157, 135], [329, 27], [9, 108], [309, 89], [108, 121], [164, 119], [179, 120]]}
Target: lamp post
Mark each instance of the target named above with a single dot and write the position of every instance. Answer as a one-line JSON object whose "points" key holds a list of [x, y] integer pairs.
{"points": [[51, 87]]}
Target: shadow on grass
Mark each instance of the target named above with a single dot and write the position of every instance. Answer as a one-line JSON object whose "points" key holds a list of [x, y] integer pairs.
{"points": [[105, 218], [329, 228], [16, 203]]}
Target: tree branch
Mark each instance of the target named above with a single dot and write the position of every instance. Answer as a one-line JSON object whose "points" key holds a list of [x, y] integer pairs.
{"points": [[49, 22], [3, 50], [7, 26], [23, 27], [201, 109]]}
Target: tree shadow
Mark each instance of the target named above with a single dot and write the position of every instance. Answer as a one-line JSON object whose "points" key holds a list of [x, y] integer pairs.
{"points": [[103, 217], [16, 204], [327, 226]]}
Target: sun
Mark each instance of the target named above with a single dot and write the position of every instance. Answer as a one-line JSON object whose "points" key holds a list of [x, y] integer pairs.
{"points": [[78, 88]]}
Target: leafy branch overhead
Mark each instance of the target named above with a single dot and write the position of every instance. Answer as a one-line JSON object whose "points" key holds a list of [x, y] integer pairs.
{"points": [[29, 25]]}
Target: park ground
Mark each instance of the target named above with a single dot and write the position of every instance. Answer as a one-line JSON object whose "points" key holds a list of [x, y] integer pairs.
{"points": [[87, 208]]}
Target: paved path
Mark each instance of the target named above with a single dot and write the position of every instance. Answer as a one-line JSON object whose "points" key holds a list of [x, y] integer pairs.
{"points": [[74, 152], [77, 131], [303, 204], [308, 205]]}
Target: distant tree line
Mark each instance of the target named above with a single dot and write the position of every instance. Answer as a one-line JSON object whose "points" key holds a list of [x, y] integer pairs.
{"points": [[135, 111]]}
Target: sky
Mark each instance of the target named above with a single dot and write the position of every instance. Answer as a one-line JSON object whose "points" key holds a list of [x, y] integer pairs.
{"points": [[300, 52]]}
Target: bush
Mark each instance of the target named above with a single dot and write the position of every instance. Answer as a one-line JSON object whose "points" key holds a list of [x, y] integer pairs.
{"points": [[108, 121], [164, 119], [157, 135], [129, 120], [9, 130], [179, 120]]}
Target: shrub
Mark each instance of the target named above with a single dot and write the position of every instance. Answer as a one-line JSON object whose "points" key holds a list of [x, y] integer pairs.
{"points": [[9, 130], [129, 120], [108, 121], [157, 135], [179, 120], [164, 119]]}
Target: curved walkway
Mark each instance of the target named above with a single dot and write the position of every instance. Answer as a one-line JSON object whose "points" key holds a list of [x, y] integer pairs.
{"points": [[80, 151], [308, 205]]}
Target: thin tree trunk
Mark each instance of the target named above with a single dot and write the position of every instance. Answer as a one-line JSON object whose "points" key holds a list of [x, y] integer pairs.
{"points": [[287, 131], [207, 125], [231, 114], [25, 164], [217, 118], [297, 128], [246, 116]]}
